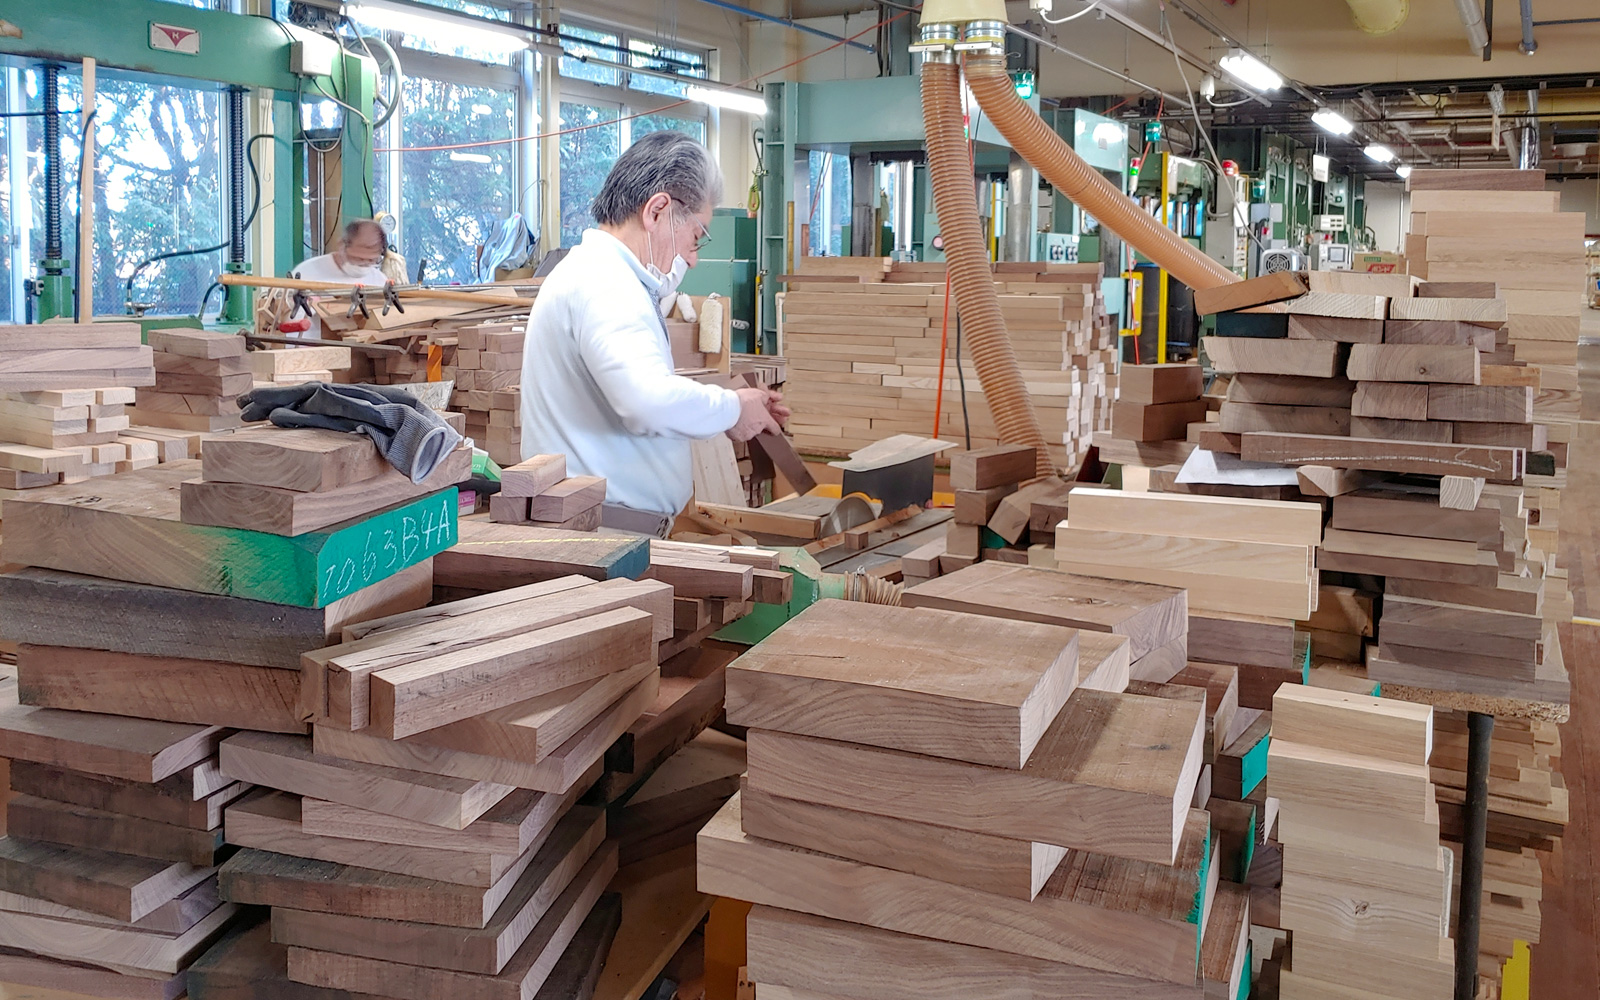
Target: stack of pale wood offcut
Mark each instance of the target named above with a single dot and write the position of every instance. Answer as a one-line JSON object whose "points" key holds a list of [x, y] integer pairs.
{"points": [[1158, 402], [938, 798], [488, 376], [294, 365], [1366, 884], [995, 499], [425, 841], [539, 492], [200, 375], [863, 341], [70, 435], [73, 356]]}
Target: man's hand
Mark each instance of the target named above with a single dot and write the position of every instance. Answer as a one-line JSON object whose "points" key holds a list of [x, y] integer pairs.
{"points": [[780, 412], [755, 414]]}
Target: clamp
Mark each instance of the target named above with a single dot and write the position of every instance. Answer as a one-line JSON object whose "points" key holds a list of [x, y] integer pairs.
{"points": [[358, 300], [391, 298]]}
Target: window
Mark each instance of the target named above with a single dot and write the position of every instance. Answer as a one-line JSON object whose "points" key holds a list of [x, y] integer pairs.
{"points": [[830, 203], [574, 68], [648, 55], [695, 128], [586, 158]]}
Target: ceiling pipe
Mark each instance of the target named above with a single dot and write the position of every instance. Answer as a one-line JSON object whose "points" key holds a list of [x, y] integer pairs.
{"points": [[1529, 44], [1379, 17], [1472, 21]]}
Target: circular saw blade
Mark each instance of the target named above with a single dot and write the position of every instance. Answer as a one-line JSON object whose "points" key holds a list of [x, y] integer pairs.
{"points": [[853, 510]]}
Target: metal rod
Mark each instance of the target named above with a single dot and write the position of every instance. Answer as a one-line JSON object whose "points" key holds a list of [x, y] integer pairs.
{"points": [[1529, 44], [236, 182], [1569, 20], [52, 164], [308, 341], [1474, 831], [1488, 29], [788, 23]]}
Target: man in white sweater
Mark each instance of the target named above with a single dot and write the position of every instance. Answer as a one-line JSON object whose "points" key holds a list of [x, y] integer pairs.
{"points": [[597, 375]]}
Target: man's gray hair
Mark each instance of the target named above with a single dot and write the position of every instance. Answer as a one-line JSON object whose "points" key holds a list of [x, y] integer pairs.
{"points": [[661, 161]]}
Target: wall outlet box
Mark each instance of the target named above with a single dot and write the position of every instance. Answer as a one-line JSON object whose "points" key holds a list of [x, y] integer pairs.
{"points": [[312, 55]]}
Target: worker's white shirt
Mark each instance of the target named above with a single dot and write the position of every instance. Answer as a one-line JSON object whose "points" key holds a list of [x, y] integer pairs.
{"points": [[325, 268], [598, 383]]}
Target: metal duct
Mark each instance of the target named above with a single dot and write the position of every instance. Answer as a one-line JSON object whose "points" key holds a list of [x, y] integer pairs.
{"points": [[1528, 45], [1379, 17], [1472, 21]]}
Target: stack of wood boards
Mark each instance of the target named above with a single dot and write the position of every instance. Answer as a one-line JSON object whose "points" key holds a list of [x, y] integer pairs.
{"points": [[200, 375], [933, 795], [425, 840], [1341, 626], [294, 365], [1158, 402], [488, 377], [1528, 812], [539, 492], [863, 357], [1502, 229], [108, 884], [1366, 884], [714, 586], [1153, 618], [995, 499], [73, 356], [53, 436]]}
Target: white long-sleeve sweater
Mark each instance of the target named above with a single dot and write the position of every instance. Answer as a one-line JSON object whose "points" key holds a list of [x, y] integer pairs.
{"points": [[598, 383]]}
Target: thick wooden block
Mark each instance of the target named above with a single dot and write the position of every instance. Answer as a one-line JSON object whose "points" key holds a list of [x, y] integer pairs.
{"points": [[1339, 305], [1375, 911], [1528, 436], [130, 529], [196, 343], [503, 556], [567, 498], [1166, 383], [697, 578], [1149, 616], [290, 360], [1370, 727], [1437, 431], [533, 476], [1338, 778], [1364, 283], [508, 510], [915, 666], [280, 511], [1479, 312], [983, 468], [1290, 390], [1219, 637], [1254, 292], [1341, 330], [1413, 514], [977, 506], [303, 459], [1157, 421], [1383, 456], [1222, 518], [1439, 332], [1519, 202], [119, 886], [1237, 418], [1496, 404], [1069, 921], [1075, 791], [1413, 363], [1390, 400], [1310, 358]]}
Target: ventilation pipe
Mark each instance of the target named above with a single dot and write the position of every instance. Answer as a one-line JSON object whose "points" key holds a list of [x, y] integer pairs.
{"points": [[1472, 21], [1529, 45], [1379, 17]]}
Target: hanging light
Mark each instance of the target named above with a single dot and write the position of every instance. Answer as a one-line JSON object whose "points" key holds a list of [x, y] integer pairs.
{"points": [[439, 28], [1333, 121], [733, 100], [1404, 170], [1250, 71], [1383, 154]]}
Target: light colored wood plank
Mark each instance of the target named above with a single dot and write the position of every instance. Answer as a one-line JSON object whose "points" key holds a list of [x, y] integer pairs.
{"points": [[1254, 292], [1414, 362], [1481, 403], [303, 459], [1310, 358], [1339, 305], [1225, 518], [1460, 492], [131, 749], [1372, 727], [1383, 456]]}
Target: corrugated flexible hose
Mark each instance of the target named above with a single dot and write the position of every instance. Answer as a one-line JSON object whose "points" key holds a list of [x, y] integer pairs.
{"points": [[1038, 143], [971, 279]]}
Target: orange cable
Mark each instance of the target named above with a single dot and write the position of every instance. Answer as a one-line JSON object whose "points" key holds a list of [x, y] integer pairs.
{"points": [[944, 329]]}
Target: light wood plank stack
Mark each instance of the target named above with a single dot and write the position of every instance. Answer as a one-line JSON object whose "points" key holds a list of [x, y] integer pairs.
{"points": [[70, 435], [906, 816], [72, 356], [1366, 885], [200, 375], [488, 374], [294, 365], [863, 355]]}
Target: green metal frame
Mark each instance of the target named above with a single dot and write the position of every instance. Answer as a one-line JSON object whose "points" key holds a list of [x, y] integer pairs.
{"points": [[235, 50]]}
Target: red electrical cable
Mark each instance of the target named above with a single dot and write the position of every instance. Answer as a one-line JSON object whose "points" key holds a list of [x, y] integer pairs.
{"points": [[944, 328]]}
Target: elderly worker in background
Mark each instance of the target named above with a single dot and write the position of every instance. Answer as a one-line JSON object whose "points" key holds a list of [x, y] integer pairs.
{"points": [[355, 260], [597, 374]]}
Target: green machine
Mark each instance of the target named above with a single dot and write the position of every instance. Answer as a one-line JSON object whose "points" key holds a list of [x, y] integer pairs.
{"points": [[160, 42], [728, 265]]}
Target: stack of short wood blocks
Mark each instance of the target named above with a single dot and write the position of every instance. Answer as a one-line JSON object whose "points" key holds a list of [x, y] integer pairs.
{"points": [[295, 365], [1366, 884], [425, 840], [863, 341], [72, 356], [200, 375], [488, 377], [1158, 402], [69, 435], [943, 796], [539, 492]]}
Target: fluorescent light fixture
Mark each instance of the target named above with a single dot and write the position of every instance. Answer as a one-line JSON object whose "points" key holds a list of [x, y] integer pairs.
{"points": [[1404, 170], [1383, 154], [439, 28], [732, 100], [461, 157], [1250, 71], [1333, 121]]}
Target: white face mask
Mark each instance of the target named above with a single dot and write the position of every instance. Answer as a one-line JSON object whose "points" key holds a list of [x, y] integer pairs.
{"points": [[667, 292]]}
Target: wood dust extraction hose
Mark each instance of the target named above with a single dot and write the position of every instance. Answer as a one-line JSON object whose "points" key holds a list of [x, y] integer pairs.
{"points": [[971, 279], [1038, 143]]}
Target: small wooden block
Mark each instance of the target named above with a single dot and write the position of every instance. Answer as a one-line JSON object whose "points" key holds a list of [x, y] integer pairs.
{"points": [[984, 468], [306, 460], [1238, 418], [1390, 400], [533, 476], [1482, 312], [1460, 492], [1413, 363], [1435, 431], [1440, 332], [1155, 422], [1256, 291], [977, 506], [1312, 358], [584, 520], [196, 343], [567, 498], [1291, 390], [1341, 330], [1340, 305], [1166, 383], [1504, 404], [508, 510]]}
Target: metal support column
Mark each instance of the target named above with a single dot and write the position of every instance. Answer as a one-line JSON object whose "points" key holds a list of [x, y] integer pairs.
{"points": [[53, 287], [1474, 832], [238, 304]]}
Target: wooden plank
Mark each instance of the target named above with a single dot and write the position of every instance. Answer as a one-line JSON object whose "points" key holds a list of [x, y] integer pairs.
{"points": [[1238, 418], [1155, 422], [71, 825], [1440, 332], [119, 886], [123, 948], [1383, 456], [1290, 390], [1390, 401], [1413, 363], [1322, 481], [287, 763], [1104, 925], [1150, 616], [567, 498], [1479, 312], [196, 343], [202, 692], [1339, 305], [1340, 779], [1309, 358], [500, 556], [303, 459], [1164, 383], [697, 578], [977, 506], [33, 337], [41, 606], [172, 801], [1138, 802], [426, 694], [1431, 202], [292, 360], [983, 468], [1400, 512], [575, 841], [131, 749], [1197, 516], [522, 976], [841, 670], [1371, 727], [815, 958], [1481, 403], [1460, 553], [1476, 180], [1257, 291], [21, 969], [130, 529]]}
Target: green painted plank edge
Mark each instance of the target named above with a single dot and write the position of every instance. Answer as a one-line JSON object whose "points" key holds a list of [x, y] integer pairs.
{"points": [[1253, 766], [1245, 980]]}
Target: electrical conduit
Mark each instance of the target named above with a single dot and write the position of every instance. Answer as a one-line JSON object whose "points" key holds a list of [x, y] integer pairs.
{"points": [[1038, 143], [971, 279]]}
